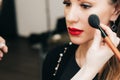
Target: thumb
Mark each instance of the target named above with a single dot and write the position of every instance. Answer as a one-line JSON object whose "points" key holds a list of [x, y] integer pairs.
{"points": [[97, 39]]}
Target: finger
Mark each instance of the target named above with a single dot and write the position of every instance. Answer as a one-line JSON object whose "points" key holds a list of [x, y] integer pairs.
{"points": [[112, 35], [0, 58], [2, 44], [108, 30], [1, 54], [2, 40], [97, 39], [5, 49]]}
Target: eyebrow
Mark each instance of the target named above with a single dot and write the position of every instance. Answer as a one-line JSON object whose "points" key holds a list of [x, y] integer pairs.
{"points": [[92, 1], [66, 0], [82, 0]]}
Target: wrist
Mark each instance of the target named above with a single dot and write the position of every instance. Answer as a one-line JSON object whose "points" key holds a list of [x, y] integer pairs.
{"points": [[85, 73]]}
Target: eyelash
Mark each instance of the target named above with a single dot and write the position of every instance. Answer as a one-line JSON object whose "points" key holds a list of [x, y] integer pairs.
{"points": [[83, 5], [67, 3]]}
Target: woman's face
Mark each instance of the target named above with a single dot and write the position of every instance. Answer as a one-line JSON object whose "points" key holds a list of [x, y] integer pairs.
{"points": [[77, 13]]}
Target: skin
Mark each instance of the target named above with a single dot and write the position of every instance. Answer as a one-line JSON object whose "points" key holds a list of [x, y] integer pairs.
{"points": [[77, 13], [3, 48]]}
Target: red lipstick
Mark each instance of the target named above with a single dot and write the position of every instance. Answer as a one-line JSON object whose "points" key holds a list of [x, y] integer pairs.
{"points": [[74, 31]]}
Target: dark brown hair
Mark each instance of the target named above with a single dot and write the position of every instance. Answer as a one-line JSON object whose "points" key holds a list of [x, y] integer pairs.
{"points": [[111, 70]]}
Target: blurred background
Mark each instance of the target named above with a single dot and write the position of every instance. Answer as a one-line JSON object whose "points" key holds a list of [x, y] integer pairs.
{"points": [[31, 29]]}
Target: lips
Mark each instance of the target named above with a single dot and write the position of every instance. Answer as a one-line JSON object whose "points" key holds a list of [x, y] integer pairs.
{"points": [[75, 31]]}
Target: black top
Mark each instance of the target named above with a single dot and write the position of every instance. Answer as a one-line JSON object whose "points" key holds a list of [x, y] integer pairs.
{"points": [[68, 66]]}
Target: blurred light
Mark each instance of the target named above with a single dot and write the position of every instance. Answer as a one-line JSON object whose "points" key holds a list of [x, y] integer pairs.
{"points": [[1, 4]]}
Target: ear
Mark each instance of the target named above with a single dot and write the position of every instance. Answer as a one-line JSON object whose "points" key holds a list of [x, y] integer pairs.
{"points": [[115, 15]]}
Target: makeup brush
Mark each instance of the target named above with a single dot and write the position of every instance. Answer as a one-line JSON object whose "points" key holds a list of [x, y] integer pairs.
{"points": [[95, 23]]}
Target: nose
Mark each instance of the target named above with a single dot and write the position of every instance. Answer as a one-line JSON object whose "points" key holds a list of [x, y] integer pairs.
{"points": [[72, 15]]}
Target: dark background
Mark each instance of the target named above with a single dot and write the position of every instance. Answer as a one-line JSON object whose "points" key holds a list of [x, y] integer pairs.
{"points": [[22, 62], [8, 27]]}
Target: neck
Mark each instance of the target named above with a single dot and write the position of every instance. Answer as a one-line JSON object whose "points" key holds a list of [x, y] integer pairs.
{"points": [[81, 53]]}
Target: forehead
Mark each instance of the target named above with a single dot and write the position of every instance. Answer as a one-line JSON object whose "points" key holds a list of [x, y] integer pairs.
{"points": [[94, 1], [77, 0], [80, 0]]}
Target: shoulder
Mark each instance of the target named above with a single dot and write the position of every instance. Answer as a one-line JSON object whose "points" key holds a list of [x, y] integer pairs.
{"points": [[52, 57], [50, 62]]}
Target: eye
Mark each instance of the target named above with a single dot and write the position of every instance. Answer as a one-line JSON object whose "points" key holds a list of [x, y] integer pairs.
{"points": [[67, 3], [85, 5]]}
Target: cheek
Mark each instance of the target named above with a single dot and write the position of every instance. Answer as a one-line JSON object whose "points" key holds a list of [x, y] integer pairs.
{"points": [[104, 11], [105, 16], [66, 11], [90, 33], [105, 19]]}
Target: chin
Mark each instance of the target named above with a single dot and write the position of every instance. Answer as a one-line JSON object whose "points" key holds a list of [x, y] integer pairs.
{"points": [[77, 41]]}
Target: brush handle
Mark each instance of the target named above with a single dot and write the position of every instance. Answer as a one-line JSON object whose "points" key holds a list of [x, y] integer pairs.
{"points": [[112, 46]]}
